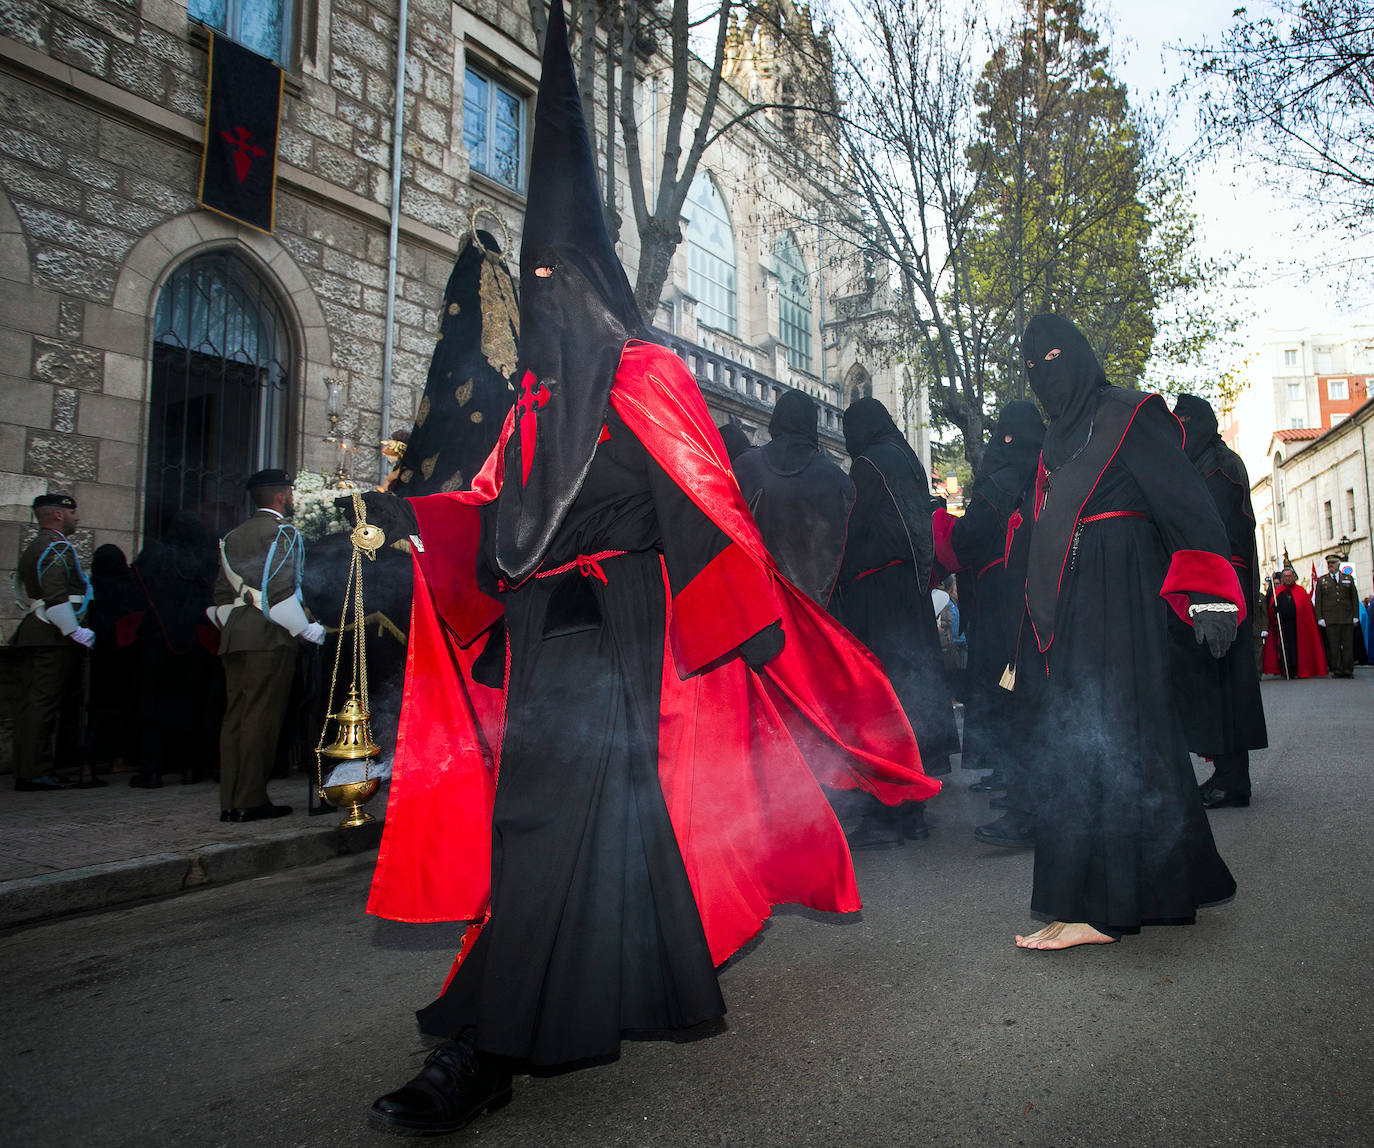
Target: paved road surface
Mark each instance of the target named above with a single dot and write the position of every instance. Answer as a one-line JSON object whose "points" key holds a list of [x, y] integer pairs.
{"points": [[271, 1012]]}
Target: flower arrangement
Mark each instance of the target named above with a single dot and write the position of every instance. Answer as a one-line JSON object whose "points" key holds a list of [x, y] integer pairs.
{"points": [[316, 514]]}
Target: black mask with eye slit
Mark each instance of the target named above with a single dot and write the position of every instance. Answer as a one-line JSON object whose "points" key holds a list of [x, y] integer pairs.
{"points": [[574, 321], [1067, 378]]}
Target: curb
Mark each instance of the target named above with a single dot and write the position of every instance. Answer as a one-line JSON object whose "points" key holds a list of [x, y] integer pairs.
{"points": [[28, 900]]}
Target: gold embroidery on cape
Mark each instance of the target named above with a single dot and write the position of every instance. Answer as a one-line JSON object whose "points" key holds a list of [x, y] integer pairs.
{"points": [[453, 482], [500, 316], [476, 416], [453, 308], [464, 394], [427, 467], [423, 412]]}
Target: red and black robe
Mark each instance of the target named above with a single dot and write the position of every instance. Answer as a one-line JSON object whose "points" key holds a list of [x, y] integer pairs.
{"points": [[602, 779]]}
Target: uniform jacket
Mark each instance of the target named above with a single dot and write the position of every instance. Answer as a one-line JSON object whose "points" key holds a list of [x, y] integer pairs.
{"points": [[1335, 601], [246, 549], [60, 580]]}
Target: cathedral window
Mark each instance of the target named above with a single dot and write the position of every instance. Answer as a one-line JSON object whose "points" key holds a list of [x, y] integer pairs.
{"points": [[711, 275]]}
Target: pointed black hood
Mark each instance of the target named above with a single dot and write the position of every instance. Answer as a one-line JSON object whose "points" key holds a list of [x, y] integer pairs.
{"points": [[577, 310]]}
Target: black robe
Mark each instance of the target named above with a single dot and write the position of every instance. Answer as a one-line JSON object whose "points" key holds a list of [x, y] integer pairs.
{"points": [[801, 502], [1121, 837], [993, 610], [883, 595], [1219, 698], [594, 931]]}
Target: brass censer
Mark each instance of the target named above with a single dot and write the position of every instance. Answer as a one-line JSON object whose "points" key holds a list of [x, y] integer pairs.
{"points": [[353, 737]]}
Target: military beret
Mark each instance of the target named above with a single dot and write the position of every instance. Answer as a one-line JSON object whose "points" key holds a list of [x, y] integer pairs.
{"points": [[65, 501], [272, 476], [1333, 557]]}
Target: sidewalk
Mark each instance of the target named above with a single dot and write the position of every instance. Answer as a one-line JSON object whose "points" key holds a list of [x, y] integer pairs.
{"points": [[86, 849]]}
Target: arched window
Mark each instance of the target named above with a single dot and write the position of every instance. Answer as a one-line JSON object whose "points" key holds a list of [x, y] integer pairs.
{"points": [[222, 364], [710, 255], [858, 384], [794, 302]]}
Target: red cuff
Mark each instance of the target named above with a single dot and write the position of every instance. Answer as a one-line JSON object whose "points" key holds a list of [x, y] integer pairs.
{"points": [[730, 601], [942, 524], [1201, 572]]}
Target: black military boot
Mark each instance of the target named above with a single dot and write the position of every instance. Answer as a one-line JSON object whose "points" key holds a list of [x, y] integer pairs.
{"points": [[456, 1085]]}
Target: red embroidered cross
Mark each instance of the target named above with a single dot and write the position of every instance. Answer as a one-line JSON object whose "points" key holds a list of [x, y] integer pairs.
{"points": [[526, 407], [244, 152]]}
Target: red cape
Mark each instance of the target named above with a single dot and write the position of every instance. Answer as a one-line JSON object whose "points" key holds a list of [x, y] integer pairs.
{"points": [[740, 754], [1311, 653]]}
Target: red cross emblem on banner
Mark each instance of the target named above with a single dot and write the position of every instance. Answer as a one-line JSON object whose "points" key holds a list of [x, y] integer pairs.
{"points": [[244, 152], [526, 406]]}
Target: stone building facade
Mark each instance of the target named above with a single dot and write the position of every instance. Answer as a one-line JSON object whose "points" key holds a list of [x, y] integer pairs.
{"points": [[153, 352]]}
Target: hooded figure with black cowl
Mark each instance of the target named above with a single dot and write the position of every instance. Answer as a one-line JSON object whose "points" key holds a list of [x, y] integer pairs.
{"points": [[980, 542], [800, 499], [883, 596], [1123, 532], [617, 714], [1219, 698]]}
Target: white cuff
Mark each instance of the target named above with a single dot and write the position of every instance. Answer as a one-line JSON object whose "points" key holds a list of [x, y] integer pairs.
{"points": [[63, 616], [289, 614]]}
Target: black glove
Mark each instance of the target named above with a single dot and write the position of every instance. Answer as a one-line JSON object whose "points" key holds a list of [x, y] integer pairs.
{"points": [[392, 513], [763, 647], [1217, 628]]}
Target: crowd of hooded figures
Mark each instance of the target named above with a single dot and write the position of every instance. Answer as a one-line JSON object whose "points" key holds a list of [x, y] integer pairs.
{"points": [[660, 680]]}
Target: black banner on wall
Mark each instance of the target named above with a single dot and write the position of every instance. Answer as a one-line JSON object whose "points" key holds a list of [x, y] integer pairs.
{"points": [[238, 170]]}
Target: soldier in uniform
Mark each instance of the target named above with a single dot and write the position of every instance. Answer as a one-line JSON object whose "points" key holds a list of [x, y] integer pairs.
{"points": [[259, 612], [1338, 609], [55, 594]]}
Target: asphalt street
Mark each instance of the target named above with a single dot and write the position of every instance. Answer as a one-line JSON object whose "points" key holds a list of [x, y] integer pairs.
{"points": [[272, 1012]]}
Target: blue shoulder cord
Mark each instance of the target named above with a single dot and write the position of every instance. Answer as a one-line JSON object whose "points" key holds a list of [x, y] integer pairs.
{"points": [[76, 558], [293, 536]]}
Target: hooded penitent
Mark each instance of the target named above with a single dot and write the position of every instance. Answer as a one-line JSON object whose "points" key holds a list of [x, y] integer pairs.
{"points": [[1008, 466], [470, 385], [1199, 425], [795, 431], [576, 312], [868, 428], [1066, 377]]}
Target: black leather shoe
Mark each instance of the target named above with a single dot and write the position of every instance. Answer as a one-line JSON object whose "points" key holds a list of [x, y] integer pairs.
{"points": [[1003, 802], [1009, 830], [1215, 798], [456, 1085], [877, 831], [256, 813], [146, 781], [44, 784]]}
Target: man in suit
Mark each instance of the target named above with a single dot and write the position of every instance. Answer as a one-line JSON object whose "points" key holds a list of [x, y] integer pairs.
{"points": [[258, 609], [57, 593], [1338, 609]]}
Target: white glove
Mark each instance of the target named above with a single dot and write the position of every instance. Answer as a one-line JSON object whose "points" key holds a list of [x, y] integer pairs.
{"points": [[63, 616], [289, 614], [1264, 633], [314, 632], [1321, 622], [84, 636]]}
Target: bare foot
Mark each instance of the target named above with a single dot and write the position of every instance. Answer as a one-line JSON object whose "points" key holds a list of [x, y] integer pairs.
{"points": [[1062, 935]]}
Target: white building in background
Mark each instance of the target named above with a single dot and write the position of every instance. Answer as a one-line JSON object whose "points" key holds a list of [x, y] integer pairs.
{"points": [[1315, 496], [1298, 379]]}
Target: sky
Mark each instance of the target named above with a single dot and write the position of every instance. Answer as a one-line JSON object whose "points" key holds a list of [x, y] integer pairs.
{"points": [[1279, 286]]}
